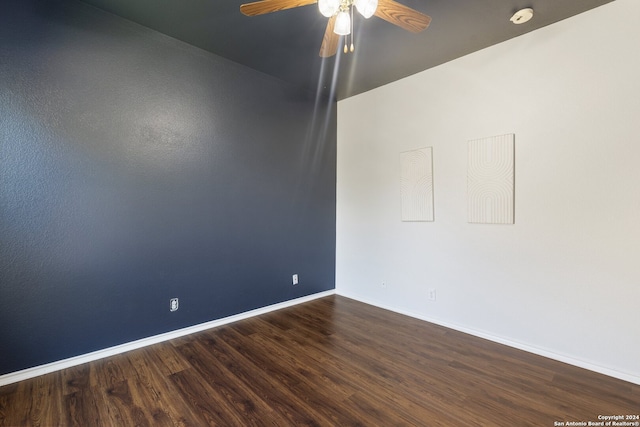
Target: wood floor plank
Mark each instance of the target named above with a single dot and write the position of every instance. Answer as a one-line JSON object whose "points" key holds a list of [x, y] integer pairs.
{"points": [[13, 404], [107, 371], [326, 394], [8, 397], [201, 397], [46, 397], [331, 361], [82, 409], [311, 365], [489, 369], [75, 378], [234, 397], [117, 407], [371, 371], [153, 393], [263, 381], [167, 358]]}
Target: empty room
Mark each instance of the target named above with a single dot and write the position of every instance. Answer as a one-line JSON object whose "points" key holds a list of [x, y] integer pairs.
{"points": [[319, 212]]}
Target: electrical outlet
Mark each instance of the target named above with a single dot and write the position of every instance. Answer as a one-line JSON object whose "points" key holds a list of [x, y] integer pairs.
{"points": [[431, 294], [384, 284], [294, 279], [173, 304]]}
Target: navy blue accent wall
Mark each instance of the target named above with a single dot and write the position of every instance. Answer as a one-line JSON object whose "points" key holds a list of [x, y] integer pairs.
{"points": [[135, 168]]}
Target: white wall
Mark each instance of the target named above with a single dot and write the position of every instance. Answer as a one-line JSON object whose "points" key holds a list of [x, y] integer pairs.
{"points": [[564, 281]]}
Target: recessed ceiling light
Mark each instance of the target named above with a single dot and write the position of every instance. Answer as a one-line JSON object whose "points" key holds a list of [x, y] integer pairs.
{"points": [[522, 16]]}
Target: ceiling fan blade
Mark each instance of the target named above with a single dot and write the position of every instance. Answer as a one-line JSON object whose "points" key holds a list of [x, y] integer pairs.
{"points": [[329, 40], [402, 16], [268, 6]]}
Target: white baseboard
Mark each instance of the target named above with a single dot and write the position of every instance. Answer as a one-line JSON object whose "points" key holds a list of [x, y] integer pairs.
{"points": [[528, 348], [90, 357]]}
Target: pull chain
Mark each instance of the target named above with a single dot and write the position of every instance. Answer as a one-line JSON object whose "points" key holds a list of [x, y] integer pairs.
{"points": [[352, 29]]}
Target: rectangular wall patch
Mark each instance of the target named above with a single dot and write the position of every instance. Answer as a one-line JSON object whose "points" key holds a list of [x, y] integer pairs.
{"points": [[490, 180], [416, 178]]}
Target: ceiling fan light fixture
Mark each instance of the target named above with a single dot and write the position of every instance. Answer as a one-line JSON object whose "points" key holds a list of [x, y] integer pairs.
{"points": [[328, 8], [343, 24], [366, 7]]}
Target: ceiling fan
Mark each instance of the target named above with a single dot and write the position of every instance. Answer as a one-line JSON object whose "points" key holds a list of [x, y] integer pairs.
{"points": [[340, 14]]}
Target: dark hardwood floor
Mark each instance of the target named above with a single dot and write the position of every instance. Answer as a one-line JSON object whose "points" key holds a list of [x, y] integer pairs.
{"points": [[329, 362]]}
